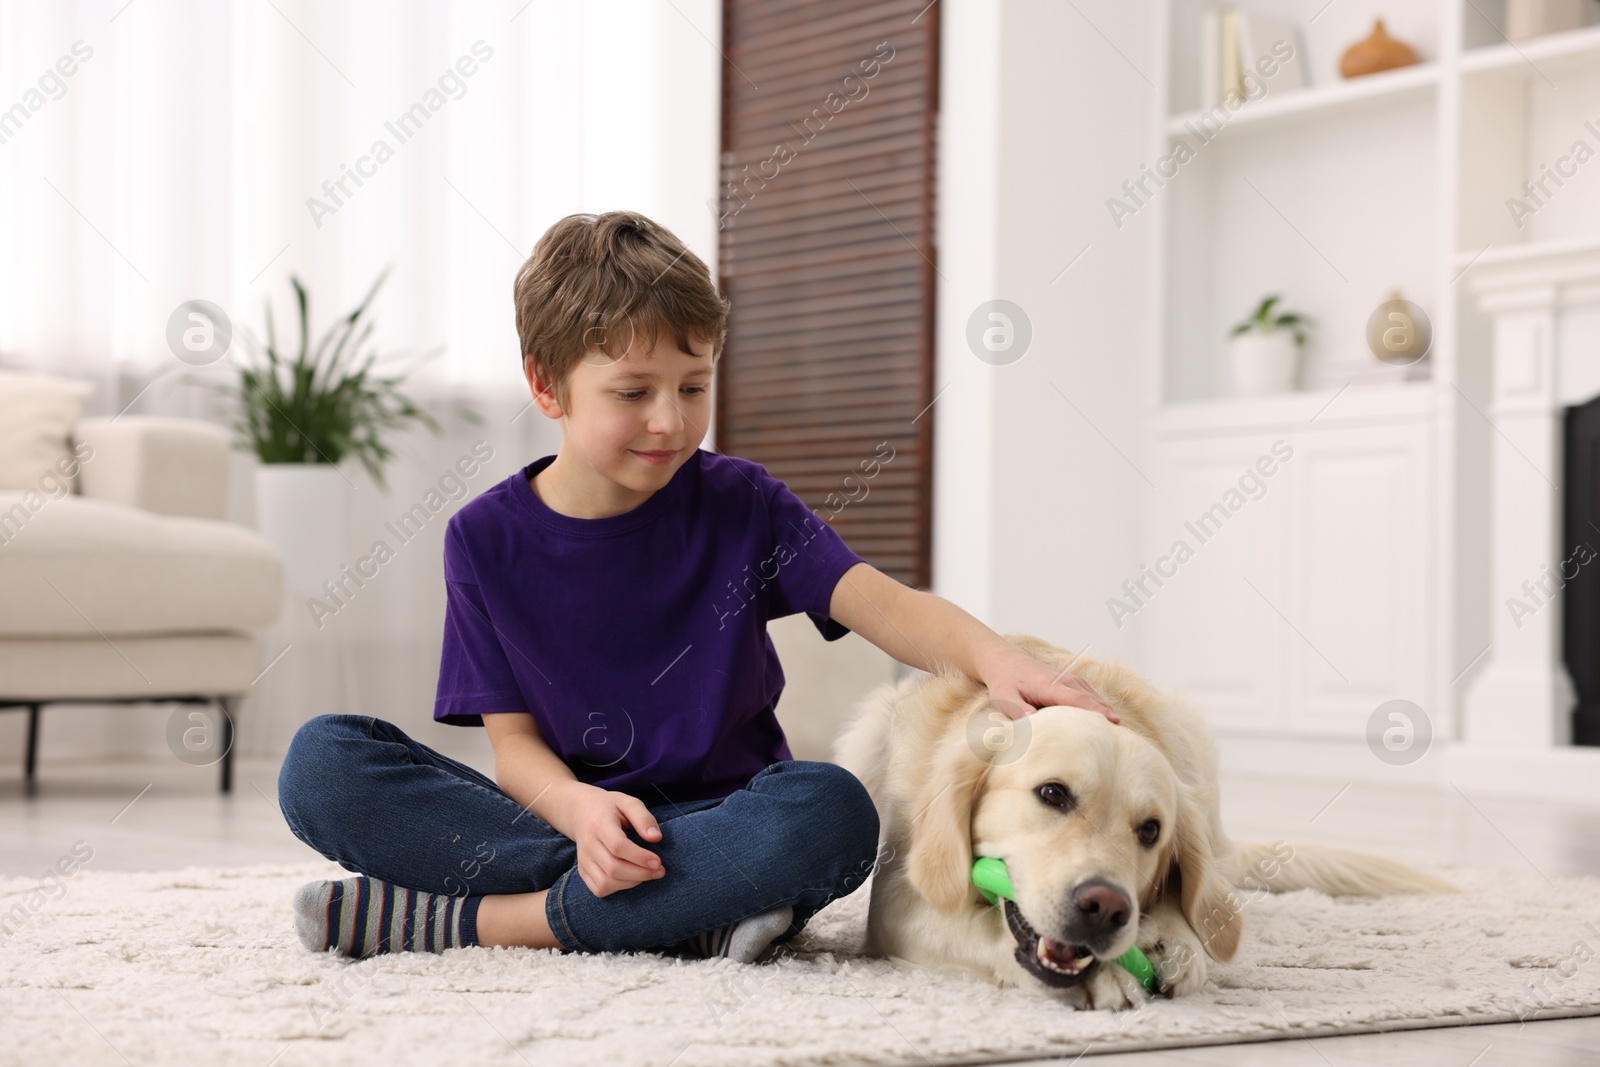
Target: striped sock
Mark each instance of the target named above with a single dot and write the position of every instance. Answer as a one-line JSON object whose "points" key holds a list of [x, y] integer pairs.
{"points": [[363, 916], [743, 940]]}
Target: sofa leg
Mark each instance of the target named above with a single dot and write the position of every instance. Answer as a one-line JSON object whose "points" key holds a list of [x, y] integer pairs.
{"points": [[227, 743], [30, 759]]}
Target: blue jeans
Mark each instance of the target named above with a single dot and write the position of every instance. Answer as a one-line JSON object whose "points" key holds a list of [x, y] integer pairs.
{"points": [[363, 794]]}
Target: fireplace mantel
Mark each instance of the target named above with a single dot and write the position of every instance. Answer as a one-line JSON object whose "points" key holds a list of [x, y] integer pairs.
{"points": [[1544, 305]]}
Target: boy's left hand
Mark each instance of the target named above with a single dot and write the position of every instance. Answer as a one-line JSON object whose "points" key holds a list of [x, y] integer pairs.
{"points": [[1021, 682]]}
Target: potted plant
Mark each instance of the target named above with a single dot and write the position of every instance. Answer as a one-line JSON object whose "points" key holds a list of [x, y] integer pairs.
{"points": [[1264, 349], [302, 414]]}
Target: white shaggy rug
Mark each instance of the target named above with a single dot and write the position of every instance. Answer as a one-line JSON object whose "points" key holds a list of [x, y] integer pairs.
{"points": [[202, 966]]}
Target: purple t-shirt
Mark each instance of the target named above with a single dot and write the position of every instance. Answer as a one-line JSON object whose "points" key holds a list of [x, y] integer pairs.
{"points": [[638, 641]]}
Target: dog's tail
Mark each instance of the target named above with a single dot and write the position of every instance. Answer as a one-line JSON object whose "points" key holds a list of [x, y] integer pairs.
{"points": [[1280, 867]]}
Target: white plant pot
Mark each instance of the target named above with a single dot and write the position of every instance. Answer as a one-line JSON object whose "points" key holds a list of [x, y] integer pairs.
{"points": [[300, 508], [1263, 362]]}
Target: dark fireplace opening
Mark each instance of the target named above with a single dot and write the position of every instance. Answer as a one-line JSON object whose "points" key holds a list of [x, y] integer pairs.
{"points": [[1580, 533]]}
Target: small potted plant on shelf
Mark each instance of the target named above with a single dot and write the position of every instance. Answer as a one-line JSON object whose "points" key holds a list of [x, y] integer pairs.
{"points": [[1264, 349]]}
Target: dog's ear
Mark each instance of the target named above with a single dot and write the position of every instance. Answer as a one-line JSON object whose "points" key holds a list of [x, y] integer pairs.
{"points": [[1208, 901], [940, 861]]}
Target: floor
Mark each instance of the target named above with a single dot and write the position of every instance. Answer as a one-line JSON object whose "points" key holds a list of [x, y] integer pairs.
{"points": [[145, 816]]}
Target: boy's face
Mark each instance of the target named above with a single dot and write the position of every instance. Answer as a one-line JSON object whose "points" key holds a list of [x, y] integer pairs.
{"points": [[635, 416]]}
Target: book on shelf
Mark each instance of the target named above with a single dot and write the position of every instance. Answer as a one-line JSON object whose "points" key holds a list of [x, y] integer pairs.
{"points": [[1236, 44]]}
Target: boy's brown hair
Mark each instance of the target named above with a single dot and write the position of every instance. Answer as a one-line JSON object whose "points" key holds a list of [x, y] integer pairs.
{"points": [[610, 282]]}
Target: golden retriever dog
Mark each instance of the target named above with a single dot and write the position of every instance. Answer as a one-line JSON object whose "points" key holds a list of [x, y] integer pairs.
{"points": [[1111, 835]]}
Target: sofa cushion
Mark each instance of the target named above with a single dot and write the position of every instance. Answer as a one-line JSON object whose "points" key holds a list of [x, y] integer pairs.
{"points": [[166, 465], [152, 667], [37, 413], [71, 565]]}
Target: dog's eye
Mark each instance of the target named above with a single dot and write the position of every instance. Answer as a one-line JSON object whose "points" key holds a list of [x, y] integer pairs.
{"points": [[1055, 794], [1149, 832]]}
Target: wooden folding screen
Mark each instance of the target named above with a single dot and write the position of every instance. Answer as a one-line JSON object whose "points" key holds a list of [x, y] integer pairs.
{"points": [[827, 253]]}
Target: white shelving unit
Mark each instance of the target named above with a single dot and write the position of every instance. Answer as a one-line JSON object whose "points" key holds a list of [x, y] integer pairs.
{"points": [[1360, 574], [1333, 194], [1372, 91], [1565, 52]]}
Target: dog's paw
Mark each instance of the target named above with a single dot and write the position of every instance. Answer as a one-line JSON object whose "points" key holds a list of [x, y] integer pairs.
{"points": [[1178, 958], [1110, 988]]}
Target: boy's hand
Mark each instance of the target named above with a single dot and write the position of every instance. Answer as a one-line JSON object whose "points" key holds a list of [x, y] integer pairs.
{"points": [[607, 859], [1020, 682]]}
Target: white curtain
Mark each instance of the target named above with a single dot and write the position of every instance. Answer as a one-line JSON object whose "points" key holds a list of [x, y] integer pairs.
{"points": [[196, 150]]}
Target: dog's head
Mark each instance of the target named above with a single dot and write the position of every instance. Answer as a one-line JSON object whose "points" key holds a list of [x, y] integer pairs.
{"points": [[1093, 825]]}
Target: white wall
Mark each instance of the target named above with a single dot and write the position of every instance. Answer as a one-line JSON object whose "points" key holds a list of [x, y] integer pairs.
{"points": [[1036, 511], [967, 192]]}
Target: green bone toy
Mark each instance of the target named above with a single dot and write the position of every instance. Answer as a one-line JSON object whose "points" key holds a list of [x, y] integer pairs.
{"points": [[993, 881]]}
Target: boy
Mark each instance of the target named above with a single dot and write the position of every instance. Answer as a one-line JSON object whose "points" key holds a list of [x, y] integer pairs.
{"points": [[606, 624]]}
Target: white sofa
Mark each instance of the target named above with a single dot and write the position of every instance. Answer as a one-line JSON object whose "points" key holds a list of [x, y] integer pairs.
{"points": [[134, 588]]}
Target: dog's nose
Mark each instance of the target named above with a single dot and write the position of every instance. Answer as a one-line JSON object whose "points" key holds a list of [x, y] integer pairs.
{"points": [[1104, 906]]}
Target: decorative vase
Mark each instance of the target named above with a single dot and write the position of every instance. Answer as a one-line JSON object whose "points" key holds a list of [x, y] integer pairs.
{"points": [[1263, 362], [300, 508], [1378, 52], [1399, 332]]}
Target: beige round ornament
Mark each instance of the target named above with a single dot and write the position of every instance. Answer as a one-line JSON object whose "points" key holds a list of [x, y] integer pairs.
{"points": [[1398, 331]]}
